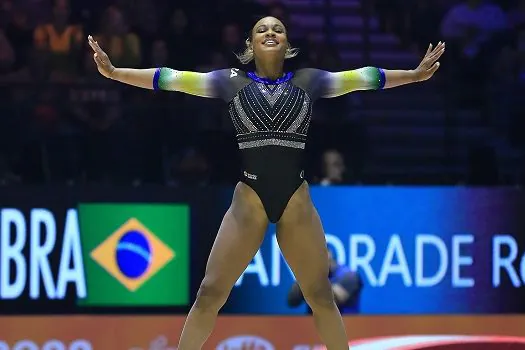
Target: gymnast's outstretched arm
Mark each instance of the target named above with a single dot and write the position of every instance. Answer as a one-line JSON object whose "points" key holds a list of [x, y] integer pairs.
{"points": [[372, 78], [198, 84]]}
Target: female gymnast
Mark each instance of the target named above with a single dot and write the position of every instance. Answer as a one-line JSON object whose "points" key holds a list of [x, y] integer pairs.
{"points": [[271, 111]]}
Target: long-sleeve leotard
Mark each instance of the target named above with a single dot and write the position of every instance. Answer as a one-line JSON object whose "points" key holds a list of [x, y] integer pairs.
{"points": [[193, 83], [318, 83], [340, 83], [271, 119]]}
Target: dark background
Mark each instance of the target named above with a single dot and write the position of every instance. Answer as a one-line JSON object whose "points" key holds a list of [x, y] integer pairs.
{"points": [[65, 129], [62, 123]]}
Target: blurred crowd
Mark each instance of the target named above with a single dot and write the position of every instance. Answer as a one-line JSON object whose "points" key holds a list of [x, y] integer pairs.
{"points": [[485, 39], [484, 63], [61, 122]]}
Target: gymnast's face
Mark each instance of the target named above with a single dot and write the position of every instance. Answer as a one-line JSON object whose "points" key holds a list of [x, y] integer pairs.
{"points": [[269, 38]]}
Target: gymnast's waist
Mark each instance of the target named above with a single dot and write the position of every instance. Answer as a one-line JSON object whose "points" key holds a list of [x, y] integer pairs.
{"points": [[261, 139], [272, 163]]}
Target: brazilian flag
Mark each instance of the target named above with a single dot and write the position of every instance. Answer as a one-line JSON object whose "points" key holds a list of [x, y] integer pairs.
{"points": [[135, 254]]}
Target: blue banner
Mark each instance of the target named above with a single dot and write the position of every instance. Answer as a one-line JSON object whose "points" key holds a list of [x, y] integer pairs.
{"points": [[418, 250], [425, 250]]}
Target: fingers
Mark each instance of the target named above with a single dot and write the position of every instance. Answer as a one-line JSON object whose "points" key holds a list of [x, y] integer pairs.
{"points": [[100, 62], [434, 55], [94, 45], [97, 60], [432, 51], [440, 47], [429, 50], [434, 68]]}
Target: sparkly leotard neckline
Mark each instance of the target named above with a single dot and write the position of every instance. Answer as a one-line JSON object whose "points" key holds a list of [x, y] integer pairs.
{"points": [[266, 81]]}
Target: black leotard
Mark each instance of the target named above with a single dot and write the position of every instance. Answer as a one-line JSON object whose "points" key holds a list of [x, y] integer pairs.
{"points": [[271, 122], [271, 119]]}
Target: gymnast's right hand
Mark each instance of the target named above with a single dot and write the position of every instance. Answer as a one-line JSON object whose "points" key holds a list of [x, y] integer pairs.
{"points": [[101, 59]]}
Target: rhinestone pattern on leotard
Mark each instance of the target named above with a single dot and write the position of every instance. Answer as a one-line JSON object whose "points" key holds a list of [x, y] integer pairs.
{"points": [[271, 115]]}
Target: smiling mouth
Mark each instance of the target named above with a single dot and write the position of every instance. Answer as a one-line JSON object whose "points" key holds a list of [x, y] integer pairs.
{"points": [[270, 42]]}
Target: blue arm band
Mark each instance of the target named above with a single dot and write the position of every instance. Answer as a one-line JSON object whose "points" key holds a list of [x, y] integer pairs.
{"points": [[382, 78], [156, 77]]}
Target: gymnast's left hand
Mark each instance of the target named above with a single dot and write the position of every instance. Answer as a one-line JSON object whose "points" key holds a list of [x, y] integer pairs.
{"points": [[430, 64]]}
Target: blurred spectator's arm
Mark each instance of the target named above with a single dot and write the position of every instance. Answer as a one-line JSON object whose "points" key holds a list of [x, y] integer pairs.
{"points": [[40, 38], [295, 296], [78, 37], [347, 288], [341, 295]]}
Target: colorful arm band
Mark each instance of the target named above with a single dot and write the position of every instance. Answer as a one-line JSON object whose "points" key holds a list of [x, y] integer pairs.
{"points": [[366, 78], [382, 78], [193, 83], [156, 77]]}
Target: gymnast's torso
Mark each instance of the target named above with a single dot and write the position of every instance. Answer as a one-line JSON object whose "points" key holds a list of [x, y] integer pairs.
{"points": [[271, 120]]}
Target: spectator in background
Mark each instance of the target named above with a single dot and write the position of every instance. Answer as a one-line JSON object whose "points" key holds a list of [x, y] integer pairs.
{"points": [[7, 53], [193, 169], [61, 40], [333, 168], [199, 26], [346, 286], [159, 54], [516, 16], [6, 9], [471, 24], [178, 41], [97, 109], [89, 72], [217, 61], [46, 112], [517, 22], [123, 46], [148, 25], [242, 12], [394, 17], [470, 30], [425, 18], [19, 32], [232, 42], [296, 37], [36, 71], [503, 78]]}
